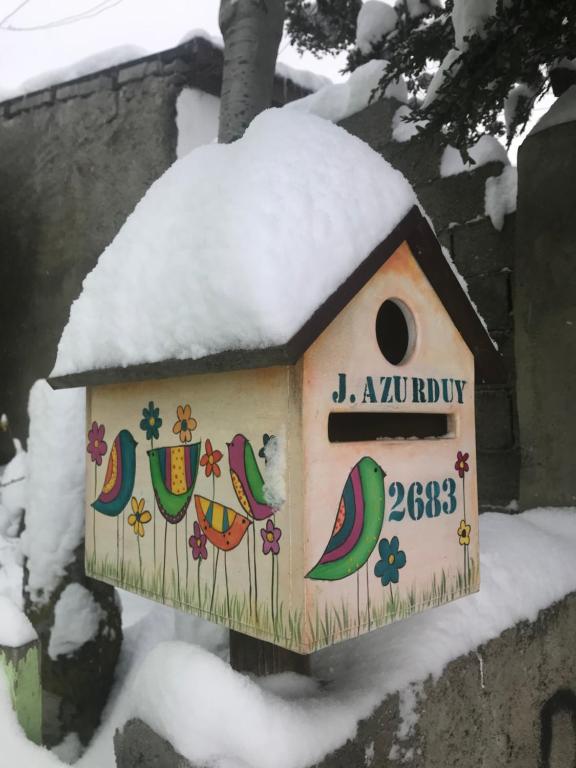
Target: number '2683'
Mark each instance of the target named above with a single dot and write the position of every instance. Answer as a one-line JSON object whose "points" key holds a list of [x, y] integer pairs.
{"points": [[430, 500]]}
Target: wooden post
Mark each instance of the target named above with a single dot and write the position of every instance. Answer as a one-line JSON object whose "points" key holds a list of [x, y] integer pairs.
{"points": [[248, 654], [21, 667]]}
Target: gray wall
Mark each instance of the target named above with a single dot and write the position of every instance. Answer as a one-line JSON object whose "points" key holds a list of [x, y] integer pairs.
{"points": [[74, 161], [545, 293], [485, 258]]}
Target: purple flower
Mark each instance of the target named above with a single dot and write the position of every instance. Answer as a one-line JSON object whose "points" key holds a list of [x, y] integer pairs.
{"points": [[270, 538], [198, 543], [96, 445]]}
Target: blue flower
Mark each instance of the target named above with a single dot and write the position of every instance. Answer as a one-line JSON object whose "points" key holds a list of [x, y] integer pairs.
{"points": [[151, 422], [392, 559]]}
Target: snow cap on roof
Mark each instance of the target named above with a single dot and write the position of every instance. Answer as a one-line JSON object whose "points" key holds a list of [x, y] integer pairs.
{"points": [[235, 246]]}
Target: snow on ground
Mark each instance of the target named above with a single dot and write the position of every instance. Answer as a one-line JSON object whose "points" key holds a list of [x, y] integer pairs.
{"points": [[180, 285], [173, 671], [76, 619], [486, 150], [335, 102], [500, 195], [56, 482]]}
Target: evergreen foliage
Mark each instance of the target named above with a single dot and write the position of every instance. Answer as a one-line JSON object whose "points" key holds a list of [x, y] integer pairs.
{"points": [[510, 62]]}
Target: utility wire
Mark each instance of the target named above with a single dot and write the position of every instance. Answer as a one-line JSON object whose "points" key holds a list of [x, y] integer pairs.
{"points": [[89, 13]]}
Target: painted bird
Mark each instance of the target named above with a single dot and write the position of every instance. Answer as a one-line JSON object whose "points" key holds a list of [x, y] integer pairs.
{"points": [[247, 479], [120, 474], [358, 523], [173, 472]]}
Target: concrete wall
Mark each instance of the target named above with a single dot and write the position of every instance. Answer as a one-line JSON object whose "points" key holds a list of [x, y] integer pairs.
{"points": [[485, 258], [74, 160], [545, 294], [511, 703]]}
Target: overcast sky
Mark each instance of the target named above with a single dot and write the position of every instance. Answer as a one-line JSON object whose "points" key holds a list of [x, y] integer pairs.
{"points": [[152, 25]]}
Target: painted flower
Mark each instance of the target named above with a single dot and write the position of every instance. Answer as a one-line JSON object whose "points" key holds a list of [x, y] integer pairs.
{"points": [[210, 460], [139, 516], [151, 422], [464, 532], [96, 444], [270, 538], [185, 424], [265, 440], [461, 465], [391, 560], [198, 543]]}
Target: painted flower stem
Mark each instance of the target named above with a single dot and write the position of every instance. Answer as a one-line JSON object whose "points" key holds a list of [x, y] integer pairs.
{"points": [[272, 598], [214, 581], [226, 581], [465, 546], [164, 562], [200, 601], [177, 562], [368, 596], [94, 508], [358, 598], [255, 574], [249, 575], [140, 560]]}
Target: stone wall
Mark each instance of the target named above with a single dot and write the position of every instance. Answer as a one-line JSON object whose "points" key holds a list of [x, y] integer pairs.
{"points": [[512, 703], [546, 309], [74, 160], [485, 258]]}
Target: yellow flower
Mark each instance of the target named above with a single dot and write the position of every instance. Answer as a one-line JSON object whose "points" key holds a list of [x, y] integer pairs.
{"points": [[185, 424], [139, 516], [464, 532]]}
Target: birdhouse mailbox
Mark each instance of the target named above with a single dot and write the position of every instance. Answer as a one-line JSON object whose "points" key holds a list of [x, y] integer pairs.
{"points": [[310, 492]]}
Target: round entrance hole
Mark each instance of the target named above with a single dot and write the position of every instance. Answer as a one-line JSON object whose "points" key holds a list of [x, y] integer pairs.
{"points": [[395, 331]]}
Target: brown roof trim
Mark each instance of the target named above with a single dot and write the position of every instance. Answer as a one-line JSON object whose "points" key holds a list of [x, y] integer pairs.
{"points": [[413, 229]]}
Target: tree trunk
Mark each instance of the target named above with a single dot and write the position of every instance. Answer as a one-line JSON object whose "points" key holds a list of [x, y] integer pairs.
{"points": [[252, 30]]}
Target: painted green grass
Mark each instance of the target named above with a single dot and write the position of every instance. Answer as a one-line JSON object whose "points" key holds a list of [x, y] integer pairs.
{"points": [[234, 611], [288, 628]]}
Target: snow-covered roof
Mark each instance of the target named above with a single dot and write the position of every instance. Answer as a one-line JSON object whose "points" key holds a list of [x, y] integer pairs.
{"points": [[234, 250]]}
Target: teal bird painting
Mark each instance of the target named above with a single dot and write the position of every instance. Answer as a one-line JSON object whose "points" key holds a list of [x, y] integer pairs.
{"points": [[120, 475]]}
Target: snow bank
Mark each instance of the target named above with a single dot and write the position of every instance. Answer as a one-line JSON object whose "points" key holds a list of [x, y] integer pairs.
{"points": [[56, 466], [335, 102], [486, 150], [235, 246], [500, 196], [76, 619], [186, 693], [375, 19], [15, 628], [563, 110]]}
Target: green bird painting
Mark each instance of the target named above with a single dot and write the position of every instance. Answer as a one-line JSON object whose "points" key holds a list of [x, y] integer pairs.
{"points": [[358, 523], [356, 530], [120, 474]]}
